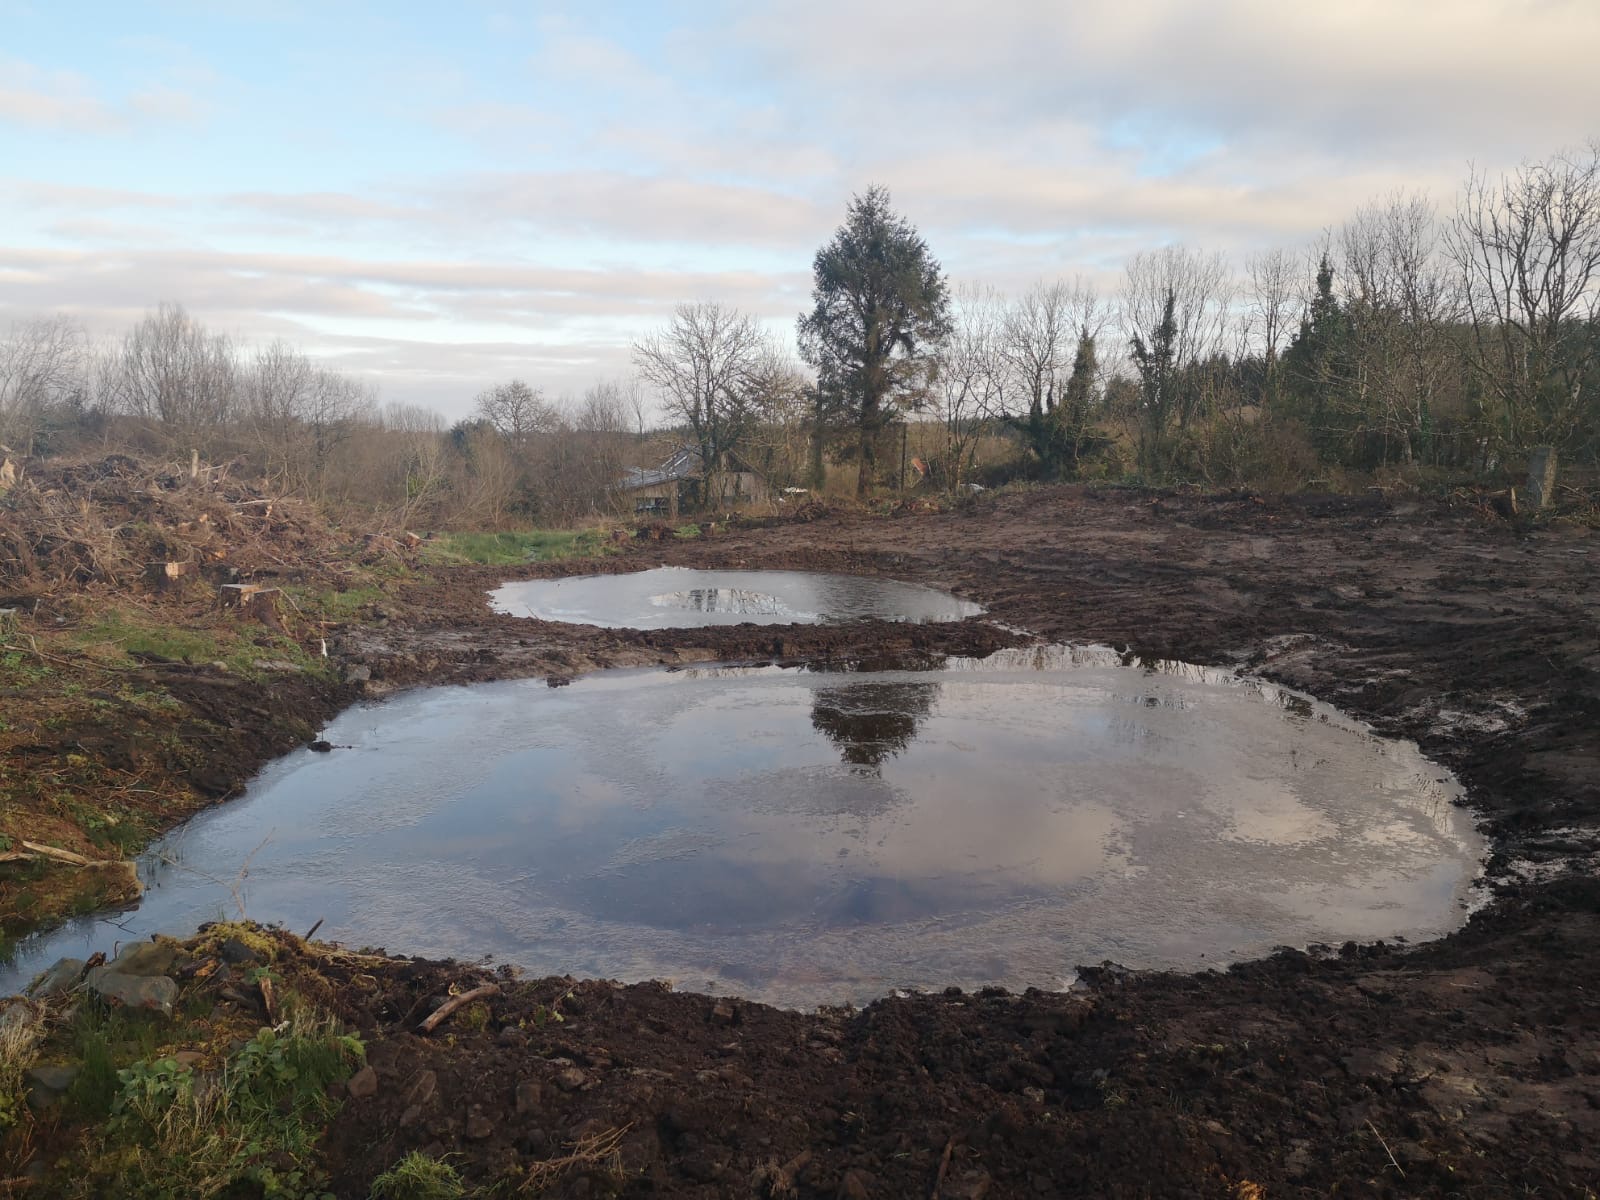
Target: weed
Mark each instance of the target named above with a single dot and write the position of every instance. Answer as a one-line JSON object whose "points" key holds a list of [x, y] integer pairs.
{"points": [[418, 1177], [21, 1031], [687, 531]]}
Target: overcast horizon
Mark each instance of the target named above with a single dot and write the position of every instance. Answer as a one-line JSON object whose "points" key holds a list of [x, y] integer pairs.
{"points": [[440, 201]]}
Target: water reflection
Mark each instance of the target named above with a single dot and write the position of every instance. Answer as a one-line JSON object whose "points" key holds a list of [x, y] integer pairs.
{"points": [[824, 835], [870, 722], [674, 597]]}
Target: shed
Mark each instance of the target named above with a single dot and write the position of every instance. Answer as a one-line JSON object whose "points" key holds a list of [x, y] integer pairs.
{"points": [[663, 489]]}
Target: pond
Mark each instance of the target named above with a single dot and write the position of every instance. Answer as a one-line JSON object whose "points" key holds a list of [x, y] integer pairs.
{"points": [[677, 597], [804, 836]]}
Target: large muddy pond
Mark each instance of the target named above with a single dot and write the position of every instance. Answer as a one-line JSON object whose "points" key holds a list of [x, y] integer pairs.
{"points": [[677, 598], [804, 836]]}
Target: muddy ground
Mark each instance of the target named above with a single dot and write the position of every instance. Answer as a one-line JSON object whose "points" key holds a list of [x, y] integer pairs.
{"points": [[1467, 1067]]}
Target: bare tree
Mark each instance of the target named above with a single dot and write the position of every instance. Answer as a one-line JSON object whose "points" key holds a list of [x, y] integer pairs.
{"points": [[970, 383], [299, 414], [712, 367], [1176, 306], [517, 411], [171, 371], [43, 365], [1527, 247], [1274, 303]]}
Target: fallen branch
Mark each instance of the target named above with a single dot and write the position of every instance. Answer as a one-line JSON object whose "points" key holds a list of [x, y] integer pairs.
{"points": [[1393, 1162], [944, 1168], [442, 1013], [66, 856]]}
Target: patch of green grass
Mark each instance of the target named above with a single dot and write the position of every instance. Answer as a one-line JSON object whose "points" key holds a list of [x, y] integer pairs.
{"points": [[418, 1177], [251, 1129], [503, 549], [690, 530], [163, 641]]}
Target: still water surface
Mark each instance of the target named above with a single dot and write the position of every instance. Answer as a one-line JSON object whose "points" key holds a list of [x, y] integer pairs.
{"points": [[806, 837], [679, 598]]}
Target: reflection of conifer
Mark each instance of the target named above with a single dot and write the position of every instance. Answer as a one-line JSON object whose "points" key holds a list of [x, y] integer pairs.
{"points": [[870, 722]]}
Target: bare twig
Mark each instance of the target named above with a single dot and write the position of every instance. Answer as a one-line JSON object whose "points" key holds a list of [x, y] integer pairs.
{"points": [[1386, 1149], [944, 1168]]}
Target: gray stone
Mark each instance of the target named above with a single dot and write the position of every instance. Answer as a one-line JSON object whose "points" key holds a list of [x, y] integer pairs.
{"points": [[357, 673], [479, 1127], [529, 1097], [512, 1038], [146, 958], [238, 952], [724, 1013], [363, 1083], [46, 1085], [153, 993], [61, 977]]}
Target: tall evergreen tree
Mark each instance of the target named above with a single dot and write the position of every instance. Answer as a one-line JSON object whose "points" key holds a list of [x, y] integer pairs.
{"points": [[881, 304]]}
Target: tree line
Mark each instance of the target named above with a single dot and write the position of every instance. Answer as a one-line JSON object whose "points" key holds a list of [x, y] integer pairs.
{"points": [[1406, 338]]}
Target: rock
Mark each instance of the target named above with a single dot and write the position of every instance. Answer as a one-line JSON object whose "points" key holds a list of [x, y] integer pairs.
{"points": [[47, 1085], [63, 976], [972, 1184], [512, 1038], [855, 1184], [530, 1096], [321, 746], [571, 1079], [411, 1116], [479, 1127], [189, 1058], [363, 1084], [1035, 1094], [239, 952], [357, 673], [153, 993], [146, 958], [724, 1013], [18, 1012], [422, 1089]]}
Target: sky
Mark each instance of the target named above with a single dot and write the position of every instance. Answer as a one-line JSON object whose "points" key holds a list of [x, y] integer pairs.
{"points": [[441, 197]]}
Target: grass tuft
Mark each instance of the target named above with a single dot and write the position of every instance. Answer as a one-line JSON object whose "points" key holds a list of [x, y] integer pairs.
{"points": [[418, 1177], [504, 549]]}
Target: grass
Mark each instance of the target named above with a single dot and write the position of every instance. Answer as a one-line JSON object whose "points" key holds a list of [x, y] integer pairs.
{"points": [[20, 1036], [518, 546], [418, 1177], [251, 1128]]}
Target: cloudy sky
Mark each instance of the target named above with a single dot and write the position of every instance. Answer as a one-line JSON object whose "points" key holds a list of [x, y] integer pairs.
{"points": [[447, 195]]}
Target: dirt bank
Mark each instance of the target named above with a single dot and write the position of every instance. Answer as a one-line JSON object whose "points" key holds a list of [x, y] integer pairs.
{"points": [[1468, 1067]]}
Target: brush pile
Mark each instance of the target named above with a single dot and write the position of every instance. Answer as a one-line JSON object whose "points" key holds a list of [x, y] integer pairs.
{"points": [[118, 522]]}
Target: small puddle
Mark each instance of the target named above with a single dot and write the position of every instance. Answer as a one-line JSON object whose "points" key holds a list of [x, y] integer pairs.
{"points": [[801, 836], [677, 598]]}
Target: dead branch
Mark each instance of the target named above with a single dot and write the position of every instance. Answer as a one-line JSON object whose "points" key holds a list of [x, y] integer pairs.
{"points": [[442, 1013]]}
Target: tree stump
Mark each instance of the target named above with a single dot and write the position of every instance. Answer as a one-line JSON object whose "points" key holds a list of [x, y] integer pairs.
{"points": [[1541, 477], [254, 602], [163, 575]]}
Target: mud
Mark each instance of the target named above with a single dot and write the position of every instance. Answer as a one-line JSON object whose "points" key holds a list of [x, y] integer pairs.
{"points": [[1465, 1067]]}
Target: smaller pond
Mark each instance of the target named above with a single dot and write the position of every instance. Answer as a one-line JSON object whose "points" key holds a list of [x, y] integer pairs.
{"points": [[677, 597], [804, 837]]}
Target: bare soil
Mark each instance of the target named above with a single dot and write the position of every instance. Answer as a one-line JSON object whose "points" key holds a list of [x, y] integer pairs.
{"points": [[1466, 1067]]}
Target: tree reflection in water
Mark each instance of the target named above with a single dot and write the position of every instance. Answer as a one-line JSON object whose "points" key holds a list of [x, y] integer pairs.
{"points": [[870, 722]]}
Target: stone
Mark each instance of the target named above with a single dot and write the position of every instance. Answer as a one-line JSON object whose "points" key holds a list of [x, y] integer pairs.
{"points": [[358, 673], [724, 1013], [855, 1184], [479, 1127], [146, 958], [512, 1038], [530, 1096], [422, 1089], [571, 1079], [47, 1085], [189, 1058], [238, 952], [152, 993], [363, 1084], [411, 1116], [63, 976]]}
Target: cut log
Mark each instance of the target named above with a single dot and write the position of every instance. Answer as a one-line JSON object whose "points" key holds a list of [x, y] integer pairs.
{"points": [[440, 1014], [411, 540], [8, 474]]}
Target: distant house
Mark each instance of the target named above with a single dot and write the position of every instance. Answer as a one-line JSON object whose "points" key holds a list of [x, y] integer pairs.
{"points": [[680, 482]]}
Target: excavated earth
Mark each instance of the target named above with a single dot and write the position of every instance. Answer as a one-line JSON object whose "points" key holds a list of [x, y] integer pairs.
{"points": [[1465, 1067]]}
